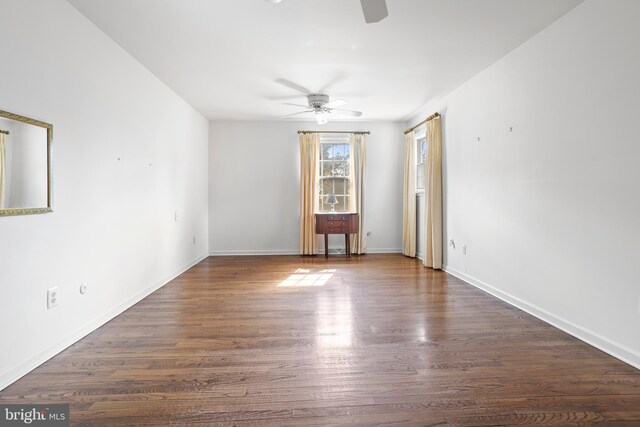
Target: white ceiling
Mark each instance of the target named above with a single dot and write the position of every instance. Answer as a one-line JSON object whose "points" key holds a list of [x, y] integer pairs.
{"points": [[225, 57]]}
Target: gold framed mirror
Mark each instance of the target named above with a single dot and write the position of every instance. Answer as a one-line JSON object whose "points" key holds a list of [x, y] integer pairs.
{"points": [[26, 184]]}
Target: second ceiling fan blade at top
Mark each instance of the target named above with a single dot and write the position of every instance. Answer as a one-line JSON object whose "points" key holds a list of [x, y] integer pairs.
{"points": [[374, 10]]}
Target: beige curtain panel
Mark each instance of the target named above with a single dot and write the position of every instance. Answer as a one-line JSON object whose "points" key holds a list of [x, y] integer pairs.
{"points": [[2, 170], [357, 178], [433, 196], [409, 197], [309, 145]]}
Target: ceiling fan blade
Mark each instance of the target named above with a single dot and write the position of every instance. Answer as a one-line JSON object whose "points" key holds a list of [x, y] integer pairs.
{"points": [[348, 112], [295, 114], [294, 86], [335, 103], [282, 98], [374, 10], [341, 76], [296, 105]]}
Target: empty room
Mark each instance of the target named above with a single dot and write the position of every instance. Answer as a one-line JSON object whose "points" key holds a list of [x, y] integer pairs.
{"points": [[319, 212]]}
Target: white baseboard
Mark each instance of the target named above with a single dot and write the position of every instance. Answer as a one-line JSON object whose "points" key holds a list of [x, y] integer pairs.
{"points": [[612, 348], [258, 252], [248, 252], [12, 375], [384, 250]]}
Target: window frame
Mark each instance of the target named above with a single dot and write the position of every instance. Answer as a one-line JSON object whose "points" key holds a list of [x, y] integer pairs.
{"points": [[334, 140]]}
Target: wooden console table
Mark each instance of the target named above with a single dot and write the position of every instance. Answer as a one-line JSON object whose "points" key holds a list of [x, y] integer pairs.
{"points": [[336, 223]]}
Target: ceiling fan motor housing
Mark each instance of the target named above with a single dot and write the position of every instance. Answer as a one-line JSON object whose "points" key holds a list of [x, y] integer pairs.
{"points": [[317, 100]]}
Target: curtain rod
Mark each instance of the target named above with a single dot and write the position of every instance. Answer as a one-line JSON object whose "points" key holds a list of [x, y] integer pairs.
{"points": [[365, 132], [431, 117], [6, 132]]}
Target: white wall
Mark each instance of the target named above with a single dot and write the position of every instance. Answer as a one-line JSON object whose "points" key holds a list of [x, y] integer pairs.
{"points": [[550, 212], [128, 153], [254, 186]]}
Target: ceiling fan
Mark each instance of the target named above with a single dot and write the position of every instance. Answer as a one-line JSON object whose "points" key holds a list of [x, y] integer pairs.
{"points": [[321, 105], [373, 10]]}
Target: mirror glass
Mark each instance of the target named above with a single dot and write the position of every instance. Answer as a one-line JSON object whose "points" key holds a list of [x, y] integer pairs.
{"points": [[25, 168]]}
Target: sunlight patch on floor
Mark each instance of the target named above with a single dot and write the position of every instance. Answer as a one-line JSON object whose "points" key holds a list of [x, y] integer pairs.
{"points": [[305, 278]]}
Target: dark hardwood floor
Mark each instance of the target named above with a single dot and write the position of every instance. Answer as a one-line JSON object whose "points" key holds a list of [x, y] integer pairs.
{"points": [[298, 341]]}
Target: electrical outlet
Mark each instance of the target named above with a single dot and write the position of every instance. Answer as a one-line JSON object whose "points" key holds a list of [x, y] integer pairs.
{"points": [[464, 249], [368, 233], [52, 298]]}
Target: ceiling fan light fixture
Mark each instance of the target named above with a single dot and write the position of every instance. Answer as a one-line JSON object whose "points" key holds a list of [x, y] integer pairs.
{"points": [[321, 118]]}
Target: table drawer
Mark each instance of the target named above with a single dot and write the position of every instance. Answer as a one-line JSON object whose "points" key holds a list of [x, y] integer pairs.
{"points": [[336, 223]]}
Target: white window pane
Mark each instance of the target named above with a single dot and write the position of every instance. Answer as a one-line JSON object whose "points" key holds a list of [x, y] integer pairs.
{"points": [[421, 150], [420, 177], [323, 205], [341, 168], [325, 151], [332, 149], [338, 151], [327, 168], [341, 151], [327, 186], [342, 186]]}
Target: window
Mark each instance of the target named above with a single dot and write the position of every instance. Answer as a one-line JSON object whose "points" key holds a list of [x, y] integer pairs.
{"points": [[333, 173], [421, 154]]}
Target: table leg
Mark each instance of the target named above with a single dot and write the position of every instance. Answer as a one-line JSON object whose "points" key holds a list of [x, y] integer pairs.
{"points": [[347, 245], [326, 246]]}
